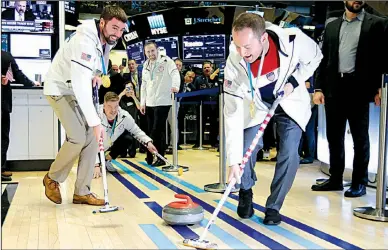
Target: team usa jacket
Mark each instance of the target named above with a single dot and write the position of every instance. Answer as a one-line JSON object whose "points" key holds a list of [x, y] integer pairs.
{"points": [[75, 64], [157, 82], [299, 57], [124, 121]]}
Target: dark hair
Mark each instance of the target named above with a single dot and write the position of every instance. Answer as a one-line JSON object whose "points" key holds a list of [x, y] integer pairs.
{"points": [[207, 62], [110, 12], [111, 97], [131, 59], [249, 20]]}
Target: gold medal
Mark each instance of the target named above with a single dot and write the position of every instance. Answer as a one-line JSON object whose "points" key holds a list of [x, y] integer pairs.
{"points": [[105, 81], [252, 109]]}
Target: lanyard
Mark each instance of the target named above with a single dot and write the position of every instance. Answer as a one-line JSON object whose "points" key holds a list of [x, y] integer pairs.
{"points": [[153, 70], [113, 127], [258, 75], [103, 65]]}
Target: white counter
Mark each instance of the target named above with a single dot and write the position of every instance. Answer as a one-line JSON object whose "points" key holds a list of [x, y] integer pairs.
{"points": [[34, 126]]}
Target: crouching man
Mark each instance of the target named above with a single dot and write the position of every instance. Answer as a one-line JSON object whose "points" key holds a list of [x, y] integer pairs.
{"points": [[119, 127]]}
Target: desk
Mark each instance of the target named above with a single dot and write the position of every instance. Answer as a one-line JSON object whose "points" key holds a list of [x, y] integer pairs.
{"points": [[323, 148], [34, 131]]}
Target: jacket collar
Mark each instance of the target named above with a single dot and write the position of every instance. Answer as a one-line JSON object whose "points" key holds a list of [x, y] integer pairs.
{"points": [[160, 59], [120, 117], [281, 37], [99, 44]]}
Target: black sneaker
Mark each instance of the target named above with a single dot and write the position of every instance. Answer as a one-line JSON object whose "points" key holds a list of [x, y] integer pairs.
{"points": [[245, 205], [272, 217]]}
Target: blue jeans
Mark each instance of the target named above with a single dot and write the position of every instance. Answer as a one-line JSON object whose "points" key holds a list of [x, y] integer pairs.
{"points": [[287, 164]]}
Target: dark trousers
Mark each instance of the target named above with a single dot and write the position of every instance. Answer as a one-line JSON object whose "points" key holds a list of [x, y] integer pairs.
{"points": [[133, 111], [307, 144], [5, 127], [122, 145], [340, 109], [157, 118], [210, 111], [287, 160], [143, 124]]}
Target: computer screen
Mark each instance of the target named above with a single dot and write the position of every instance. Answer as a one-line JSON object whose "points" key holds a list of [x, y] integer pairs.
{"points": [[39, 46], [204, 47], [135, 51], [27, 16], [32, 67], [4, 42], [169, 44]]}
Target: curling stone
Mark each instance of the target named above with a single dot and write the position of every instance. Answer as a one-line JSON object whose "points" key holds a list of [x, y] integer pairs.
{"points": [[182, 212]]}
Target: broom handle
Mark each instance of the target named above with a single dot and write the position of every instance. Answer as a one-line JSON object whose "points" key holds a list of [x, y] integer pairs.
{"points": [[244, 161], [101, 148]]}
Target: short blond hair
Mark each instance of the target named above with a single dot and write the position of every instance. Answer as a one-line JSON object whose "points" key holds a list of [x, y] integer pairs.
{"points": [[111, 97]]}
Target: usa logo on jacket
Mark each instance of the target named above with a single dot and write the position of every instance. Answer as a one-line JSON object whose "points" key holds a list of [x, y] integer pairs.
{"points": [[271, 76], [227, 83]]}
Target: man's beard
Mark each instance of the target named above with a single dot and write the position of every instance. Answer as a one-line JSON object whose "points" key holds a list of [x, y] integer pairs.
{"points": [[107, 38], [350, 8]]}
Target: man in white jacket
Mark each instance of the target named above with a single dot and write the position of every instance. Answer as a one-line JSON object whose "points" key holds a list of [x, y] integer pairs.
{"points": [[118, 125], [252, 83], [160, 78], [68, 88]]}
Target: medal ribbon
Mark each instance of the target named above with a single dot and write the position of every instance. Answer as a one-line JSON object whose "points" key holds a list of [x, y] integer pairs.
{"points": [[103, 65], [258, 75]]}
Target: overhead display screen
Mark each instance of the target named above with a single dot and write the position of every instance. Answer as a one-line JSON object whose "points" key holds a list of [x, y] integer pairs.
{"points": [[204, 47], [135, 51], [157, 24], [25, 16], [169, 44], [39, 46]]}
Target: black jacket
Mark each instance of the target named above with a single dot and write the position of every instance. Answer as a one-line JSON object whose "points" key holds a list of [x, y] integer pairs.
{"points": [[370, 58], [6, 90]]}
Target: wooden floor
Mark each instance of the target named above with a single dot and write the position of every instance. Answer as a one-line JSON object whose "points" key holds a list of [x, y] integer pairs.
{"points": [[310, 220]]}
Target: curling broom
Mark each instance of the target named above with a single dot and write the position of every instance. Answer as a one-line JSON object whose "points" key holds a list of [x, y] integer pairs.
{"points": [[107, 207], [201, 243]]}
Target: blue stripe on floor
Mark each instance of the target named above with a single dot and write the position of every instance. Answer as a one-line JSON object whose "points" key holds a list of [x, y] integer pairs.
{"points": [[187, 233], [224, 236], [279, 230], [172, 177], [184, 231], [322, 235], [259, 237], [130, 186], [160, 240], [140, 179]]}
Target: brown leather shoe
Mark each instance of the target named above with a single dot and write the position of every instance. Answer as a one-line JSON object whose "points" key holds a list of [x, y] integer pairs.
{"points": [[89, 199], [52, 190], [6, 174]]}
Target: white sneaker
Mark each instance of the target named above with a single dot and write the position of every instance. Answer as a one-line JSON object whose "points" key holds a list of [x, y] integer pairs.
{"points": [[109, 167]]}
